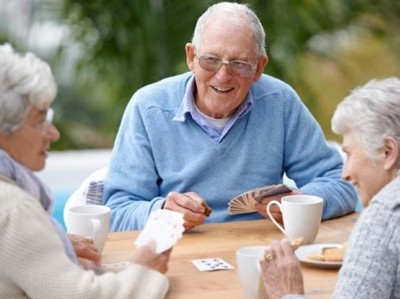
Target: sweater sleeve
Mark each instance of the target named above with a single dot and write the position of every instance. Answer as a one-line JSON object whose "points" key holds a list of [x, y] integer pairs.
{"points": [[312, 163], [130, 187], [34, 263], [371, 263]]}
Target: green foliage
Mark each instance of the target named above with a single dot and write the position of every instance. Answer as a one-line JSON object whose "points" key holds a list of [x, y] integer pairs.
{"points": [[130, 43], [127, 44]]}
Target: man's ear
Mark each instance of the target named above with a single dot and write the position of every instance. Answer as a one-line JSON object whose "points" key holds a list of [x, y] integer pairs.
{"points": [[190, 55], [391, 151], [261, 64]]}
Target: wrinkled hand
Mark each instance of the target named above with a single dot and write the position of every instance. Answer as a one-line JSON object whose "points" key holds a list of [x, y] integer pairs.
{"points": [[281, 275], [87, 253], [146, 256], [190, 204], [276, 213]]}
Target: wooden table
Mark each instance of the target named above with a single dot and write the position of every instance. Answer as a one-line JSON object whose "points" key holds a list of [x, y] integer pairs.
{"points": [[221, 240]]}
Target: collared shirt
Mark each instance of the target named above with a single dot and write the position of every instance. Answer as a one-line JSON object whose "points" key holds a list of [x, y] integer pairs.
{"points": [[188, 106]]}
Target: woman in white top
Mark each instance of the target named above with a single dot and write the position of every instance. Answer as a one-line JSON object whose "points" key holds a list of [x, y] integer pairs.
{"points": [[37, 258]]}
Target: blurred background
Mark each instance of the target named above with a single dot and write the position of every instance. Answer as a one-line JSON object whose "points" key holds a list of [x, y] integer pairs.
{"points": [[102, 51]]}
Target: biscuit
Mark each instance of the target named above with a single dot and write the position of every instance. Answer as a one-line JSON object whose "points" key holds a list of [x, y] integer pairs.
{"points": [[296, 243], [316, 257], [333, 254], [328, 254]]}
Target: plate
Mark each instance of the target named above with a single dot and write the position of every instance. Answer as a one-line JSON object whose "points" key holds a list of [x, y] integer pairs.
{"points": [[303, 251]]}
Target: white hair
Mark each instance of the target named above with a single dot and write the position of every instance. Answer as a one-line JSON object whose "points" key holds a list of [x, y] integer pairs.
{"points": [[371, 112], [233, 13], [25, 82]]}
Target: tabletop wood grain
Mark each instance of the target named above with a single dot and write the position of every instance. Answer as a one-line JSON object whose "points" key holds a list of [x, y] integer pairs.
{"points": [[221, 240]]}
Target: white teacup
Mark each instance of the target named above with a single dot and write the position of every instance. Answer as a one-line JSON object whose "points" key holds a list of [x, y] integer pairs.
{"points": [[247, 259], [301, 215], [91, 221]]}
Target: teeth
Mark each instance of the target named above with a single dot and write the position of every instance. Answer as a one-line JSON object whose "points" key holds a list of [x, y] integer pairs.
{"points": [[221, 89]]}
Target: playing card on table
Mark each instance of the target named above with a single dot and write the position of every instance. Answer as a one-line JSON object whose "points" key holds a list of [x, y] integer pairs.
{"points": [[212, 264], [114, 267], [163, 226]]}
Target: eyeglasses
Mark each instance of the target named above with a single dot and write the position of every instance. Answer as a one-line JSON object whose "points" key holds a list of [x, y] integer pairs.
{"points": [[236, 67], [43, 127]]}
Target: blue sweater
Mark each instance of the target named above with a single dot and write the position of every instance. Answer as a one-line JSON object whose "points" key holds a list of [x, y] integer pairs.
{"points": [[159, 149]]}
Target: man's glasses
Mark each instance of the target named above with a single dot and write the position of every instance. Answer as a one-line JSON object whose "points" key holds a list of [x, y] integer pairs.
{"points": [[43, 127], [236, 67]]}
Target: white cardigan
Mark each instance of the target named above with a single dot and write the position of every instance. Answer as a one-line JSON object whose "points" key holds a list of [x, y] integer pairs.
{"points": [[33, 263]]}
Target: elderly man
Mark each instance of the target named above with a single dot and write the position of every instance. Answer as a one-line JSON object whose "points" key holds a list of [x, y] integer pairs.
{"points": [[217, 131]]}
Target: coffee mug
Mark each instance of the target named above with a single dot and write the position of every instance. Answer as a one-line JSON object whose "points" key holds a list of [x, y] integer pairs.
{"points": [[91, 221], [247, 259], [301, 216]]}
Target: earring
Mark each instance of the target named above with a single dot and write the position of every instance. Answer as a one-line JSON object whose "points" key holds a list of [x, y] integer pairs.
{"points": [[385, 167]]}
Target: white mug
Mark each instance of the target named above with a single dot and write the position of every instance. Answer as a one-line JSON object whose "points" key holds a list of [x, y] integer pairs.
{"points": [[247, 259], [301, 215], [91, 221]]}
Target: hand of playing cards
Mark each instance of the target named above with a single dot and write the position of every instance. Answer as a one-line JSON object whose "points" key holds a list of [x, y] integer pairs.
{"points": [[163, 226], [246, 202]]}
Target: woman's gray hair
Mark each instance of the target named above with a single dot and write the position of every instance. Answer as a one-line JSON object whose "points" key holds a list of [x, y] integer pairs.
{"points": [[240, 14], [25, 82], [371, 112]]}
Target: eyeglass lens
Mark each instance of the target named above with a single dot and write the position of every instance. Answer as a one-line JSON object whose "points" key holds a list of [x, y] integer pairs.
{"points": [[44, 127], [237, 68], [49, 115]]}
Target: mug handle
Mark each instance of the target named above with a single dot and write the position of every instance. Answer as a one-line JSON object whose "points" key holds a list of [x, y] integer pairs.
{"points": [[96, 233], [275, 202]]}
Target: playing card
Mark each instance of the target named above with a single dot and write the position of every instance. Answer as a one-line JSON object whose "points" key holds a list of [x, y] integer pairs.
{"points": [[114, 267], [212, 264], [278, 189], [245, 202], [163, 226]]}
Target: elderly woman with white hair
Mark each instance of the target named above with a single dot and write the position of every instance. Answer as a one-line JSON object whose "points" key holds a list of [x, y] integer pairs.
{"points": [[37, 258], [27, 89], [369, 121]]}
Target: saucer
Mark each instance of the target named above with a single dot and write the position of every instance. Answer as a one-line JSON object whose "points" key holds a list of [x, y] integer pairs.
{"points": [[303, 252]]}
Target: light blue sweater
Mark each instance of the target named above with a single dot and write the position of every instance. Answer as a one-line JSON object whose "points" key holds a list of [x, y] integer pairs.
{"points": [[160, 149]]}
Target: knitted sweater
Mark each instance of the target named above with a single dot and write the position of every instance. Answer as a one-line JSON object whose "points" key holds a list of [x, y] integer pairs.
{"points": [[160, 148], [33, 263], [371, 267]]}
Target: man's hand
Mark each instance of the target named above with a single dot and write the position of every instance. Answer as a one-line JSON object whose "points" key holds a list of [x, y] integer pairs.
{"points": [[190, 205], [276, 213]]}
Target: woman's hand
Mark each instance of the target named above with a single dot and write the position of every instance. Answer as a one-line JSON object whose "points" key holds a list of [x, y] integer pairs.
{"points": [[146, 256], [281, 270], [86, 252]]}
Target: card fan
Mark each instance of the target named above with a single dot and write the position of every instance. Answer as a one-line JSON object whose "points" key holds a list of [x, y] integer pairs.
{"points": [[245, 202]]}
